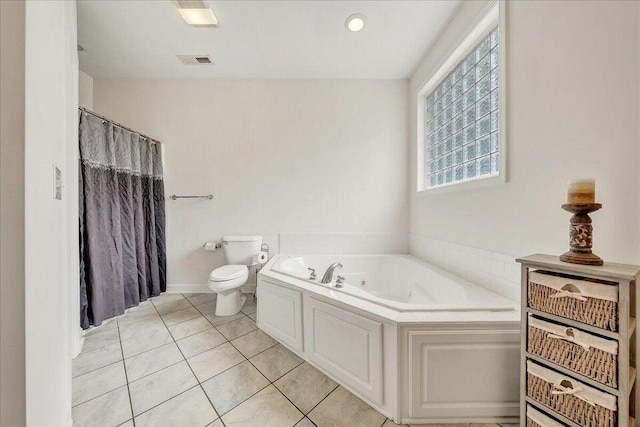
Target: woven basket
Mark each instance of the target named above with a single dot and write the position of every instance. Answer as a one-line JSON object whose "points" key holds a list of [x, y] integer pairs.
{"points": [[535, 418], [572, 407], [593, 363], [596, 312], [531, 423]]}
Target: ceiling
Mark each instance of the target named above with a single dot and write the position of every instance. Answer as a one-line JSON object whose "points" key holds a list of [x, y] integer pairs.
{"points": [[259, 39]]}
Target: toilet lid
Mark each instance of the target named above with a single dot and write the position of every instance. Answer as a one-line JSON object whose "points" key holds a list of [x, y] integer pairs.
{"points": [[228, 272]]}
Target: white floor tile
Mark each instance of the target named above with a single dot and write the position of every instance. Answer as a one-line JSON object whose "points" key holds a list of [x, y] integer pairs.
{"points": [[275, 362], [200, 342], [165, 298], [172, 306], [176, 317], [95, 383], [191, 408], [100, 338], [212, 362], [190, 327], [93, 359], [268, 408], [109, 410], [343, 409], [145, 342], [233, 386], [152, 361], [158, 387], [253, 343], [197, 299], [143, 327], [305, 386], [236, 328]]}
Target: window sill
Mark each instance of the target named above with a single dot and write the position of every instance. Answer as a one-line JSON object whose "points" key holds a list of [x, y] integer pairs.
{"points": [[482, 182]]}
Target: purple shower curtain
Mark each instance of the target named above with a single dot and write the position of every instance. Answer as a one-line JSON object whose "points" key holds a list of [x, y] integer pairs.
{"points": [[122, 220]]}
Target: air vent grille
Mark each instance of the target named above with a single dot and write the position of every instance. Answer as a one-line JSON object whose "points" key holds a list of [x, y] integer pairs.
{"points": [[195, 59], [191, 4]]}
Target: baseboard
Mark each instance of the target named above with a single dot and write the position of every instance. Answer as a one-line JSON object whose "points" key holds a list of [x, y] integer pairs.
{"points": [[78, 342]]}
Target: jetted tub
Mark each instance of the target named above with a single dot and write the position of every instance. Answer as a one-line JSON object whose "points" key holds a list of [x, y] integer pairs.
{"points": [[400, 282], [417, 343]]}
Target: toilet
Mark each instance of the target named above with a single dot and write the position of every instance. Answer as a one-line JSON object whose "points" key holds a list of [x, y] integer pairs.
{"points": [[227, 280]]}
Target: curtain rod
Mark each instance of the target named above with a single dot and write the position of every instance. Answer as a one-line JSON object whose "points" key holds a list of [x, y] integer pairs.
{"points": [[117, 124]]}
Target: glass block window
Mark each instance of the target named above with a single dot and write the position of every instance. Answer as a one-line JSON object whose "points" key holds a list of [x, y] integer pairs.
{"points": [[462, 119]]}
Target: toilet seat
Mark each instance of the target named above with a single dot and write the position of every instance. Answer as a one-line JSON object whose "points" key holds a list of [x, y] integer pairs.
{"points": [[228, 277], [228, 272]]}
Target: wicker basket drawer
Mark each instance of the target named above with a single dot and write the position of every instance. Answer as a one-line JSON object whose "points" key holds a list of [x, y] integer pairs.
{"points": [[588, 301], [577, 401], [579, 351], [536, 418]]}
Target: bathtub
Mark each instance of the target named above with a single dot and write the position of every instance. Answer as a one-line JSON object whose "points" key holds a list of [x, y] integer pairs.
{"points": [[399, 282], [415, 342]]}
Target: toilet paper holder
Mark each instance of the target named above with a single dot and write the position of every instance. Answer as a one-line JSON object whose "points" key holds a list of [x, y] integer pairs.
{"points": [[263, 248]]}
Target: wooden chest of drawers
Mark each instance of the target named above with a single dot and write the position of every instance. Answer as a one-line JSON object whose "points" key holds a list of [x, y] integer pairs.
{"points": [[578, 343]]}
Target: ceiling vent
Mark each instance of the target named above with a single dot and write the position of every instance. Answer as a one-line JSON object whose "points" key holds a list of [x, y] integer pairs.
{"points": [[195, 59], [191, 4]]}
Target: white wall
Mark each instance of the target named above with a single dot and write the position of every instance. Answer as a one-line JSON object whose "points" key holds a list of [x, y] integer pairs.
{"points": [[85, 90], [50, 129], [12, 390], [278, 155], [573, 107], [72, 92]]}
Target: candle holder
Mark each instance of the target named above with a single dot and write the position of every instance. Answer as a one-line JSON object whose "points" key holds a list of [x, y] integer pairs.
{"points": [[581, 234]]}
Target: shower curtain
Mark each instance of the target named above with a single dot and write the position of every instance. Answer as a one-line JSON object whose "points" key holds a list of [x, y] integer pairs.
{"points": [[122, 220]]}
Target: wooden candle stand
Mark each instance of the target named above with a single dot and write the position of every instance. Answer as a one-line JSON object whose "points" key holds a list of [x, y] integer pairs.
{"points": [[581, 234]]}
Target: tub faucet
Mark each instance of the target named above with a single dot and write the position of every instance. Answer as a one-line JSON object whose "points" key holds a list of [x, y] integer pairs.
{"points": [[328, 275]]}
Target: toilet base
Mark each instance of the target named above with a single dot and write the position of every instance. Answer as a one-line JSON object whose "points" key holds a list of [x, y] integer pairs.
{"points": [[229, 302]]}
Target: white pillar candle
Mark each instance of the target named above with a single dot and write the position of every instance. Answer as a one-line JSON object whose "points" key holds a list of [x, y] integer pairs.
{"points": [[582, 191]]}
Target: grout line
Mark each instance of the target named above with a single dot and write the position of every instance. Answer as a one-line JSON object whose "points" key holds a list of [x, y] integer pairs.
{"points": [[248, 397], [100, 395], [191, 369], [126, 376], [305, 415], [98, 348], [165, 401], [99, 367], [322, 400], [271, 382]]}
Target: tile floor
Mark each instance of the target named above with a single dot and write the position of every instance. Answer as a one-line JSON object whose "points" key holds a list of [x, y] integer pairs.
{"points": [[172, 362]]}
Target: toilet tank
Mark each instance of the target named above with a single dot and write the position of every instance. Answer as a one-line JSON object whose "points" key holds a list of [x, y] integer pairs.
{"points": [[239, 249]]}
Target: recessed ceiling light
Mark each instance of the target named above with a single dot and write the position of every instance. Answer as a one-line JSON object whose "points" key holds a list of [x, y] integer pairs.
{"points": [[355, 22], [199, 17]]}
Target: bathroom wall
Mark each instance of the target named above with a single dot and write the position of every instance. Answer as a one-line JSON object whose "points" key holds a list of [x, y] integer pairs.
{"points": [[573, 108], [51, 134], [85, 90], [12, 388], [312, 156]]}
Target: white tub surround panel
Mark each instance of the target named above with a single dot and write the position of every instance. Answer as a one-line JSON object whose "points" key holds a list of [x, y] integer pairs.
{"points": [[463, 374], [491, 270], [344, 243], [406, 364], [281, 312], [347, 345]]}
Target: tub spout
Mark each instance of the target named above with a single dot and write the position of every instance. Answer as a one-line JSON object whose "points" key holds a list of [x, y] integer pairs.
{"points": [[328, 275]]}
